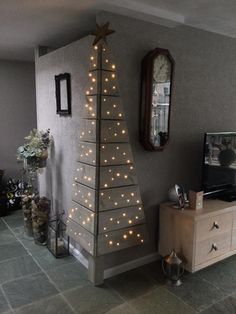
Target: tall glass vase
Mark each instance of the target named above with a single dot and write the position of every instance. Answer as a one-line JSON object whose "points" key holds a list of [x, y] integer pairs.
{"points": [[40, 218]]}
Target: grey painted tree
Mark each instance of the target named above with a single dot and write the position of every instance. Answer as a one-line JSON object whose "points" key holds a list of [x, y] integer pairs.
{"points": [[107, 212]]}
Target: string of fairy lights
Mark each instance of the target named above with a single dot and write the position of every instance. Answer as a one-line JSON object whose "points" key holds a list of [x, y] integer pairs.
{"points": [[114, 196]]}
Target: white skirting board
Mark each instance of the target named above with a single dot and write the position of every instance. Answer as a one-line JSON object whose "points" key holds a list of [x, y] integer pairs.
{"points": [[116, 270]]}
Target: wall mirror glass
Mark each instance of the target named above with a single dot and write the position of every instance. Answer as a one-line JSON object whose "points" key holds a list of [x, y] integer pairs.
{"points": [[157, 77]]}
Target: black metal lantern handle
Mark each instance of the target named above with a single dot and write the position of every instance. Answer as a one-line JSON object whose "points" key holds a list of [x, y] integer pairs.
{"points": [[163, 268]]}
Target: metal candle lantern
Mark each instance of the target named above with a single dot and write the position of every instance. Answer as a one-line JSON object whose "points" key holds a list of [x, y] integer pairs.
{"points": [[58, 242], [172, 267]]}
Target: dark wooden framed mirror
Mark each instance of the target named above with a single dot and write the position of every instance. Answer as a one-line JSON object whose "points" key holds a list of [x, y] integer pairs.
{"points": [[63, 93], [156, 91]]}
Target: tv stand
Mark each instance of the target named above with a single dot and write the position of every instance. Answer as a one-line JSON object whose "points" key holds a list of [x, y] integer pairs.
{"points": [[200, 237]]}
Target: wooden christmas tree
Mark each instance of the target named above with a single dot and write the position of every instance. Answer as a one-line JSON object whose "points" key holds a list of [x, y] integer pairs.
{"points": [[106, 213]]}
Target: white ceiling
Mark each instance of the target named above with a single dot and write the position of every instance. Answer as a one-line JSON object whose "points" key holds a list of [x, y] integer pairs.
{"points": [[25, 24]]}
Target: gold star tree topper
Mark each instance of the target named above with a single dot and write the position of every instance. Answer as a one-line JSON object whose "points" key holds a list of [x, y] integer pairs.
{"points": [[102, 31]]}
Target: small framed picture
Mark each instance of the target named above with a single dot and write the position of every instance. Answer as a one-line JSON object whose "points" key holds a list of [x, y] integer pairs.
{"points": [[63, 93]]}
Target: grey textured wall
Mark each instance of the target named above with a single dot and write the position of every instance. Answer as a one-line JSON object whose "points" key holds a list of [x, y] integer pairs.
{"points": [[17, 111], [203, 100]]}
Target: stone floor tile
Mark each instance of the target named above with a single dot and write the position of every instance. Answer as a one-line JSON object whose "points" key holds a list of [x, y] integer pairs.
{"points": [[6, 236], [68, 276], [15, 219], [19, 232], [17, 267], [33, 248], [2, 225], [54, 305], [220, 275], [4, 307], [197, 292], [131, 284], [28, 289], [48, 261], [226, 306], [154, 271], [90, 299], [11, 250], [122, 309], [160, 301]]}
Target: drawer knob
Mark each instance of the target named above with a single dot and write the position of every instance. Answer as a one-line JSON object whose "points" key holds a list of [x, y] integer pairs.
{"points": [[214, 247], [215, 225]]}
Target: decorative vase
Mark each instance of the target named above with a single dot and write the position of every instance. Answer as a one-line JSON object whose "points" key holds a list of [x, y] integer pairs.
{"points": [[40, 217], [27, 210]]}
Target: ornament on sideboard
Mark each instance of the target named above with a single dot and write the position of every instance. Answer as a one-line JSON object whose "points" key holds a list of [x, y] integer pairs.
{"points": [[173, 269], [177, 195], [195, 200]]}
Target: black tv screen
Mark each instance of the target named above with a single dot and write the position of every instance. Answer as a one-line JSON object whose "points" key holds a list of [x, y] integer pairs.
{"points": [[219, 162]]}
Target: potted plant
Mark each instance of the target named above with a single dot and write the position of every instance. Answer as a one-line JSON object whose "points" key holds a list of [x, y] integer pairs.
{"points": [[34, 152]]}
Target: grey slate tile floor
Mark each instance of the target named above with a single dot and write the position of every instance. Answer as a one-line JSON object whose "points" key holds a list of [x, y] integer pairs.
{"points": [[33, 281]]}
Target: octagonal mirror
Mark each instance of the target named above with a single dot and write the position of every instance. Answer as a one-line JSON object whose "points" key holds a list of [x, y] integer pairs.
{"points": [[157, 76]]}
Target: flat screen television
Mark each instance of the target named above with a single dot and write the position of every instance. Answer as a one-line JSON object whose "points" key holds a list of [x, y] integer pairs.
{"points": [[219, 165]]}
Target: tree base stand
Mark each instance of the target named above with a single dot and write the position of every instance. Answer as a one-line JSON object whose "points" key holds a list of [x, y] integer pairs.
{"points": [[96, 270]]}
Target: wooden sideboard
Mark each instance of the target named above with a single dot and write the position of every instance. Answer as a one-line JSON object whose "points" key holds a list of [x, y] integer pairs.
{"points": [[201, 237]]}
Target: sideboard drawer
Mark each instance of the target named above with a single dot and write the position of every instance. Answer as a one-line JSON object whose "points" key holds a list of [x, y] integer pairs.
{"points": [[213, 226], [212, 247]]}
